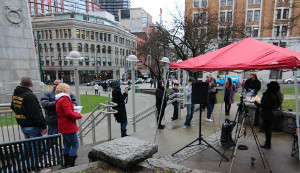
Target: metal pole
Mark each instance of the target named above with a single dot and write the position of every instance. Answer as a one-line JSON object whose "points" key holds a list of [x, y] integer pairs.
{"points": [[109, 123], [179, 97], [297, 106], [164, 75], [39, 54], [77, 94], [133, 96]]}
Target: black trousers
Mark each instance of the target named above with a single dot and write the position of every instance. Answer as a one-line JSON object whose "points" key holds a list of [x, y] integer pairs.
{"points": [[268, 131], [227, 107], [175, 113], [162, 113]]}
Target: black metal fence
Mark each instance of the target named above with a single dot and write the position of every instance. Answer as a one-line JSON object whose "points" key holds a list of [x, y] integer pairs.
{"points": [[31, 154]]}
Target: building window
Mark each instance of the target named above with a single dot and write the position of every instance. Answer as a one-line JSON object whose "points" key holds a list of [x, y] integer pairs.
{"points": [[82, 34], [50, 34], [64, 47], [250, 14], [87, 35], [103, 49], [51, 47], [252, 31], [92, 48], [280, 30], [226, 3], [78, 33], [225, 32], [109, 38], [282, 14], [86, 47], [98, 49], [92, 35], [109, 49], [66, 33], [144, 20], [70, 47], [105, 37], [254, 2], [87, 61], [97, 36], [200, 3], [200, 17], [226, 17], [61, 33], [101, 36], [275, 74], [79, 47], [70, 33]]}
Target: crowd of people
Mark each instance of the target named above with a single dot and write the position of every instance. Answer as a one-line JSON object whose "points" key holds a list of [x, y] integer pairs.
{"points": [[61, 118]]}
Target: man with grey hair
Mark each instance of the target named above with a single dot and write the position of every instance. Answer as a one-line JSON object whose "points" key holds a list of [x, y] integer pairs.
{"points": [[49, 104]]}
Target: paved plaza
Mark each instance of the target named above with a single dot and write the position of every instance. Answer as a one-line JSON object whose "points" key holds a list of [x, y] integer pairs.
{"points": [[201, 157]]}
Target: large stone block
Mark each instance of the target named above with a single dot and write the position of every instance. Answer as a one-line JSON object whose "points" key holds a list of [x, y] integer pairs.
{"points": [[124, 152]]}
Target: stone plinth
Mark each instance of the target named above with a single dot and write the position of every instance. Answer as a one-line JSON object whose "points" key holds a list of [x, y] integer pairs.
{"points": [[17, 51], [124, 152]]}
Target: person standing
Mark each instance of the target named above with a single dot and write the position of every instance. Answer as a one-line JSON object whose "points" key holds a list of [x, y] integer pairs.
{"points": [[229, 90], [188, 102], [175, 103], [252, 85], [67, 123], [212, 99], [243, 86], [161, 102], [270, 103], [96, 88], [49, 104], [28, 112], [120, 99]]}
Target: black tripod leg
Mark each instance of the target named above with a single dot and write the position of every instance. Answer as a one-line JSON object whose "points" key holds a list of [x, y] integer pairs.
{"points": [[214, 149], [188, 145], [258, 146]]}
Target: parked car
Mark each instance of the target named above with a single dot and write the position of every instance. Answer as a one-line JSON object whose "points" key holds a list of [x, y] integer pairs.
{"points": [[139, 80], [234, 79], [96, 81], [291, 80], [148, 80]]}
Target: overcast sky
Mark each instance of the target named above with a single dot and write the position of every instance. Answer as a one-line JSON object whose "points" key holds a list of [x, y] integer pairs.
{"points": [[153, 8]]}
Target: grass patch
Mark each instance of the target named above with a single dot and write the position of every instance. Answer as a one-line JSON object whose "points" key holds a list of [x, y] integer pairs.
{"points": [[89, 102], [290, 104], [8, 119], [289, 91]]}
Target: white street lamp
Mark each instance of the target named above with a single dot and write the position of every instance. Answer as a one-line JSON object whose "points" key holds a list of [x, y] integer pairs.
{"points": [[75, 56], [166, 62], [178, 80], [133, 59]]}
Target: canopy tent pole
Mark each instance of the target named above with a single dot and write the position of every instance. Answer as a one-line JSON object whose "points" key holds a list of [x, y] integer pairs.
{"points": [[297, 105]]}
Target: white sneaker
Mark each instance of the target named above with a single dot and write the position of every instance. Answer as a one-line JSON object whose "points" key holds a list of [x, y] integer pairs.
{"points": [[184, 126], [192, 125], [209, 120]]}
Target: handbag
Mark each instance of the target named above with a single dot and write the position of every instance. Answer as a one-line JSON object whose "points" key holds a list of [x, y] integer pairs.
{"points": [[277, 113]]}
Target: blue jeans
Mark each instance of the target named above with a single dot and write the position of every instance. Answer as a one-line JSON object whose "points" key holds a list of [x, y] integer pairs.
{"points": [[52, 130], [32, 132], [71, 144], [210, 108], [123, 126], [189, 116]]}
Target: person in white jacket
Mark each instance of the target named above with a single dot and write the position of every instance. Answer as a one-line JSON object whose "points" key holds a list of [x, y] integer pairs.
{"points": [[188, 102]]}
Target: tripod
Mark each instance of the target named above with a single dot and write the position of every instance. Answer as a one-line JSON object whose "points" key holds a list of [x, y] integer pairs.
{"points": [[200, 139], [242, 109]]}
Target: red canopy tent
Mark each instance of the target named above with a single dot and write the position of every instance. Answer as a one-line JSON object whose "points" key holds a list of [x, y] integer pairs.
{"points": [[247, 54]]}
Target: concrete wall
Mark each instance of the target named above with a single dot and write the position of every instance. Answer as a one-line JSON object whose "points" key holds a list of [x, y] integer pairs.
{"points": [[17, 52]]}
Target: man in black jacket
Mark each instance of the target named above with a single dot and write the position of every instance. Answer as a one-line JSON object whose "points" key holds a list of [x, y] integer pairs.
{"points": [[28, 111], [161, 102], [252, 85], [49, 104]]}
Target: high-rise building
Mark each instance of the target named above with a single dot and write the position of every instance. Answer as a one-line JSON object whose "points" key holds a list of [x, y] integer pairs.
{"points": [[55, 6], [272, 21], [113, 6]]}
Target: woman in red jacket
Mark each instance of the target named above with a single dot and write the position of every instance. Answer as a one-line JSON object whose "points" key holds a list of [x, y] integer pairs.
{"points": [[67, 123]]}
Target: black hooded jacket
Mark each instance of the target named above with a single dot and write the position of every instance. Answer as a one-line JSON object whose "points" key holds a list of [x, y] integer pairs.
{"points": [[27, 108], [49, 104], [159, 95]]}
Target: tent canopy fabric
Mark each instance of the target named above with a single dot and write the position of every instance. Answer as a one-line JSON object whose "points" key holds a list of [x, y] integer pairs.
{"points": [[246, 54]]}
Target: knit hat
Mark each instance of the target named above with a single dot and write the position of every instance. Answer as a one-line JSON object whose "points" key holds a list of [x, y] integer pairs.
{"points": [[115, 83]]}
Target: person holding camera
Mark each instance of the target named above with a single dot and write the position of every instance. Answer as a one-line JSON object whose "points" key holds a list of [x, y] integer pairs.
{"points": [[120, 99]]}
